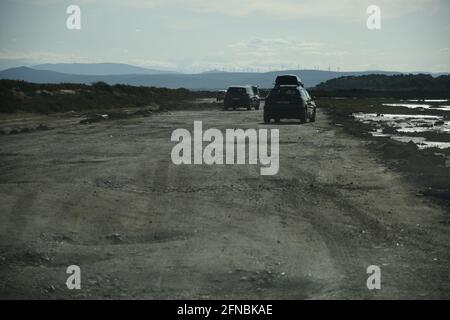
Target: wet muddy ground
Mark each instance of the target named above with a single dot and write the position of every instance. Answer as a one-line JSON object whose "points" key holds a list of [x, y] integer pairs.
{"points": [[411, 136]]}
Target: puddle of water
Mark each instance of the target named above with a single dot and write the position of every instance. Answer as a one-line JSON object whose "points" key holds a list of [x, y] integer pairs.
{"points": [[444, 108], [444, 129], [429, 100], [379, 133], [421, 142], [418, 106], [404, 123], [407, 105], [390, 117]]}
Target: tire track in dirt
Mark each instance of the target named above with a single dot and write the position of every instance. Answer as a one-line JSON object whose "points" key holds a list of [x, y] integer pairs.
{"points": [[145, 228]]}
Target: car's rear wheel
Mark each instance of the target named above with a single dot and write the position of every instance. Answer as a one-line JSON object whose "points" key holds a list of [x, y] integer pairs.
{"points": [[313, 117], [266, 119], [303, 116], [277, 120]]}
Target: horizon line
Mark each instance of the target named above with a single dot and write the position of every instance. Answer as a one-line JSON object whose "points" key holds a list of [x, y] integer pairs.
{"points": [[174, 72]]}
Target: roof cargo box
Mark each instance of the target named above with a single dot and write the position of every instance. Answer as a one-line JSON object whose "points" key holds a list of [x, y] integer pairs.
{"points": [[288, 80]]}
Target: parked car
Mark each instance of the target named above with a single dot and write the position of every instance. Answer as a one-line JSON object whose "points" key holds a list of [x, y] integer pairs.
{"points": [[241, 97], [289, 102], [288, 80]]}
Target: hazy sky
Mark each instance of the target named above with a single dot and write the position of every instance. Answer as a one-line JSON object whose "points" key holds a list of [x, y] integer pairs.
{"points": [[251, 35]]}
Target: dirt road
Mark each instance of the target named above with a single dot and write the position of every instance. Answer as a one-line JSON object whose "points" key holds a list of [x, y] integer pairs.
{"points": [[106, 197]]}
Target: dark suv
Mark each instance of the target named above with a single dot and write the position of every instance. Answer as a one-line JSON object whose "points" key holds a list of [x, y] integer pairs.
{"points": [[241, 97], [289, 102]]}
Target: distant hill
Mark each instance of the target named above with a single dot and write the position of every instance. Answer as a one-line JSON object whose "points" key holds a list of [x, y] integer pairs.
{"points": [[204, 81], [378, 82], [404, 86], [40, 76], [100, 69]]}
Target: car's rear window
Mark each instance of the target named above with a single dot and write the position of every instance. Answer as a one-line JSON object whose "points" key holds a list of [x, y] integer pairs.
{"points": [[236, 91], [287, 93]]}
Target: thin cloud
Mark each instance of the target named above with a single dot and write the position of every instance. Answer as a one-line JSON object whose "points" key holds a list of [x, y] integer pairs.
{"points": [[289, 9]]}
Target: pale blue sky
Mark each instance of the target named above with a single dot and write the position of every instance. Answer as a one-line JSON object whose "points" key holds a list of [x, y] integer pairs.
{"points": [[250, 35]]}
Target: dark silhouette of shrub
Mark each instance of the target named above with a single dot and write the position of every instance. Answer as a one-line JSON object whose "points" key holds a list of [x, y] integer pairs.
{"points": [[49, 98]]}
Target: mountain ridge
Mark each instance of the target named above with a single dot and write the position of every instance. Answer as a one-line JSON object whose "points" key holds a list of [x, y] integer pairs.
{"points": [[97, 69], [199, 81]]}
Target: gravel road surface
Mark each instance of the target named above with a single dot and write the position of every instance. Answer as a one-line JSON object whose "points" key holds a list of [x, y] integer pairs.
{"points": [[106, 197]]}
